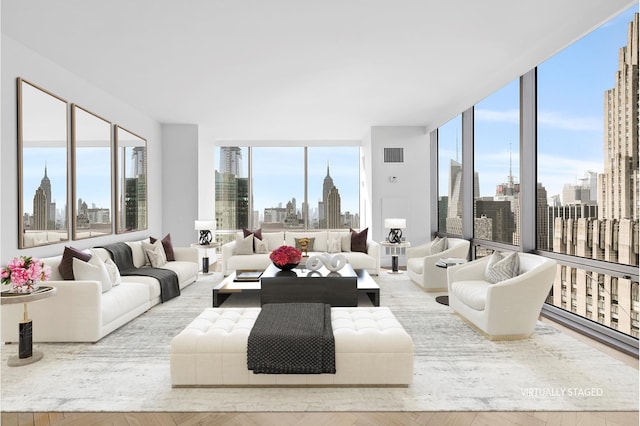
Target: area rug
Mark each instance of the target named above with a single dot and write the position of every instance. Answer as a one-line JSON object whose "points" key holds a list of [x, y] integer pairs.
{"points": [[455, 368]]}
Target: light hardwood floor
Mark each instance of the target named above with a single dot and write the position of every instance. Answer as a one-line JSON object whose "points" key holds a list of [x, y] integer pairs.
{"points": [[326, 418]]}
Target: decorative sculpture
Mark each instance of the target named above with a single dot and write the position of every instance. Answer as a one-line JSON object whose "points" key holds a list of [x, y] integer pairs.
{"points": [[332, 262]]}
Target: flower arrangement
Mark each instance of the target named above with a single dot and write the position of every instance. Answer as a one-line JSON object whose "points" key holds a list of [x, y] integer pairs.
{"points": [[25, 273], [285, 255]]}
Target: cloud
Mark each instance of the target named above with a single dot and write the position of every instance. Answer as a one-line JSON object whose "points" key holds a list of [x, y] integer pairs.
{"points": [[564, 121], [507, 116]]}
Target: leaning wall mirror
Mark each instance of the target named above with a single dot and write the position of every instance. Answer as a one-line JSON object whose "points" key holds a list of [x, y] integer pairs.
{"points": [[131, 181], [92, 179], [42, 166]]}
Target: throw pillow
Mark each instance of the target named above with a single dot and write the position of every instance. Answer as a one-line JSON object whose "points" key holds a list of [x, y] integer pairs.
{"points": [[158, 250], [168, 247], [114, 272], [345, 242], [137, 253], [438, 245], [157, 257], [310, 241], [335, 245], [91, 270], [257, 234], [244, 245], [66, 263], [260, 246], [359, 240], [502, 268]]}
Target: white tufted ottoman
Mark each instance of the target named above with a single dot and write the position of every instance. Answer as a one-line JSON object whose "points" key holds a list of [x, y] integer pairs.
{"points": [[372, 348]]}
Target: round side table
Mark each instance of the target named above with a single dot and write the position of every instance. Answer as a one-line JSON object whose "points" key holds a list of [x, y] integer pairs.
{"points": [[394, 255], [26, 354], [205, 258]]}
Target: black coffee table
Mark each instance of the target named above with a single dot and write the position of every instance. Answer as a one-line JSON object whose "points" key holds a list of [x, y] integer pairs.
{"points": [[364, 285]]}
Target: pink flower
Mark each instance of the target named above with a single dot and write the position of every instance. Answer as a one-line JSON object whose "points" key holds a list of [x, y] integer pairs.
{"points": [[25, 271]]}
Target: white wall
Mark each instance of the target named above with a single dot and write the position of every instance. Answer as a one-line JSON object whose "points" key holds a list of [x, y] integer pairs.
{"points": [[19, 61], [180, 182], [407, 197]]}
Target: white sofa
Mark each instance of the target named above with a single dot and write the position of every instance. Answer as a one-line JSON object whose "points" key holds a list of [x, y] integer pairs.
{"points": [[358, 260], [509, 309], [81, 312], [371, 346], [421, 263]]}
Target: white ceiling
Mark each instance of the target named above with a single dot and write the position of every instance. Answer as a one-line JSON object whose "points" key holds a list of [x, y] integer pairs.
{"points": [[296, 69]]}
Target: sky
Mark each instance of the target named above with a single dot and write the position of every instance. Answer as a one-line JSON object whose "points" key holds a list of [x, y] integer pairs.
{"points": [[571, 88]]}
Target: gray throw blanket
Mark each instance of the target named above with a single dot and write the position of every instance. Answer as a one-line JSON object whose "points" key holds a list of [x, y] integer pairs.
{"points": [[292, 338], [123, 258]]}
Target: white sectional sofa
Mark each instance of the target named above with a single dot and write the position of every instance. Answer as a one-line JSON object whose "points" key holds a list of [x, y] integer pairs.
{"points": [[82, 312], [232, 261]]}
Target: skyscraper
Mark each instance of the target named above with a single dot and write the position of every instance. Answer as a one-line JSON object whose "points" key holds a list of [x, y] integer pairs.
{"points": [[618, 197], [333, 209], [231, 160]]}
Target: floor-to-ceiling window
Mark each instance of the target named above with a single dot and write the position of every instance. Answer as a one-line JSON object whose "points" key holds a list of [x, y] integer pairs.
{"points": [[496, 161], [333, 187], [587, 189], [450, 177], [275, 188], [587, 99]]}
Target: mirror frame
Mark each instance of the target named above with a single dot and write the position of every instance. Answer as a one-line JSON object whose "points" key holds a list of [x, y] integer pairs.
{"points": [[120, 177], [21, 166], [75, 176]]}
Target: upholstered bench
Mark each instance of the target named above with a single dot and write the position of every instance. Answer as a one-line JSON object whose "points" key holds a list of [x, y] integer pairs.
{"points": [[372, 349]]}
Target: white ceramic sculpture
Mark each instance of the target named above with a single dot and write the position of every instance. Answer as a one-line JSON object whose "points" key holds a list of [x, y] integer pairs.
{"points": [[332, 262]]}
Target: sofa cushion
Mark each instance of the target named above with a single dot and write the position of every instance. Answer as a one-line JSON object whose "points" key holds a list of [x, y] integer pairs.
{"points": [[187, 271], [273, 239], [92, 270], [334, 245], [500, 268], [359, 240], [167, 245], [472, 293], [359, 260], [319, 239], [244, 246], [66, 263], [345, 242], [154, 253], [123, 299]]}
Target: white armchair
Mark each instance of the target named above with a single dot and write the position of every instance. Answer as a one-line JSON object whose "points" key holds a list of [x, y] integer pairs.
{"points": [[509, 309], [421, 263]]}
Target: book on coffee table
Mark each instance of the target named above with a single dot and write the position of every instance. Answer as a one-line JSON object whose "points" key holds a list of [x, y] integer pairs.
{"points": [[247, 275]]}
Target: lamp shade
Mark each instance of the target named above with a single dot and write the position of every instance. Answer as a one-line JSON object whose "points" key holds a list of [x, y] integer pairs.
{"points": [[395, 223], [205, 225]]}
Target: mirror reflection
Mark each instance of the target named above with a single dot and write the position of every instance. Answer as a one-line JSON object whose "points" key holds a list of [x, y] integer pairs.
{"points": [[42, 166], [91, 144], [131, 181]]}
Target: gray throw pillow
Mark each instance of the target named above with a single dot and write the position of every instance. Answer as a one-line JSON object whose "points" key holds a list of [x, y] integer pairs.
{"points": [[260, 246], [502, 268], [438, 245], [244, 245]]}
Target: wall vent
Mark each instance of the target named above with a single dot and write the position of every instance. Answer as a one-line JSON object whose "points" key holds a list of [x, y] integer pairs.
{"points": [[394, 155]]}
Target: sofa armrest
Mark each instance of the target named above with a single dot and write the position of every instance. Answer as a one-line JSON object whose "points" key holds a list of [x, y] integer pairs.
{"points": [[419, 251], [473, 270], [227, 252], [186, 254], [373, 250]]}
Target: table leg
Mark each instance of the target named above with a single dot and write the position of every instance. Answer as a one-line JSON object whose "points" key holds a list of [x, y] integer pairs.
{"points": [[205, 265], [26, 355]]}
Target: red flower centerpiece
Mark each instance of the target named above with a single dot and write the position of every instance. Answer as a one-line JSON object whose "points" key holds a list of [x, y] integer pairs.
{"points": [[25, 273], [286, 257]]}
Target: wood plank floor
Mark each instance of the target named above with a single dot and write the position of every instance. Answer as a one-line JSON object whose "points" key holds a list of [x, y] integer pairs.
{"points": [[326, 418]]}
